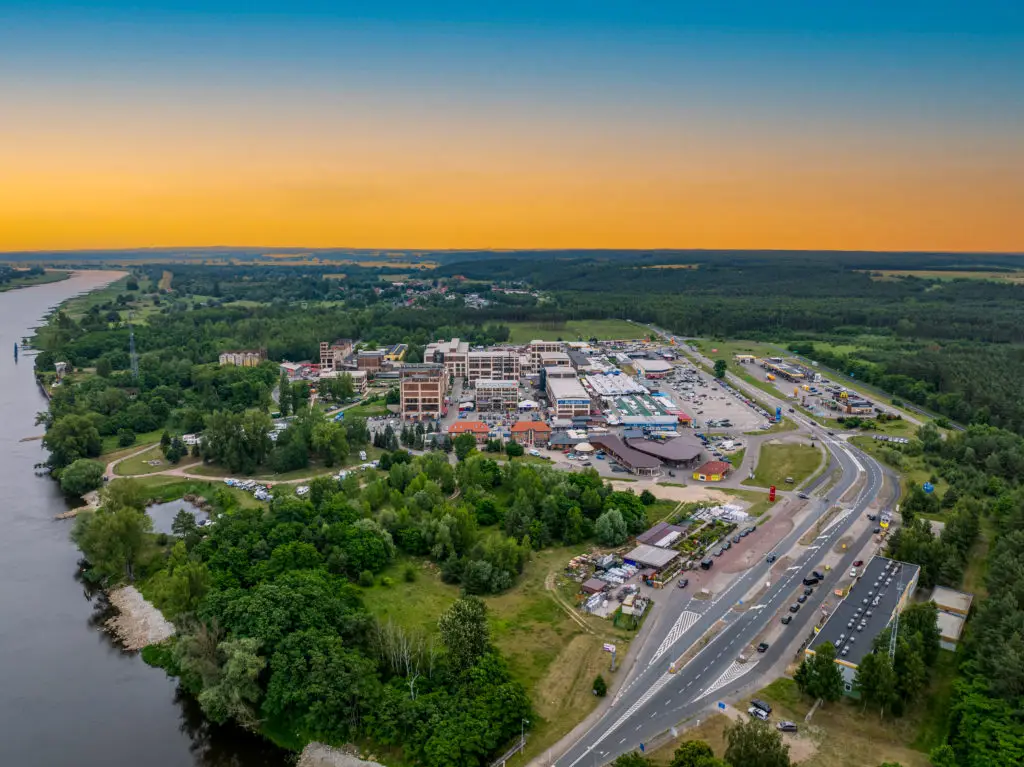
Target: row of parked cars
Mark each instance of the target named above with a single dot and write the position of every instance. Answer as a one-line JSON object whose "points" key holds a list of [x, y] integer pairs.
{"points": [[259, 491]]}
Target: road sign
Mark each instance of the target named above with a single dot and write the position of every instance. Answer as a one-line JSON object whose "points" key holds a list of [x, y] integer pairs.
{"points": [[642, 749], [721, 705], [609, 648]]}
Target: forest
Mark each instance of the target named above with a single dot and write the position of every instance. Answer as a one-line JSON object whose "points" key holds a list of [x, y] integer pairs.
{"points": [[271, 629]]}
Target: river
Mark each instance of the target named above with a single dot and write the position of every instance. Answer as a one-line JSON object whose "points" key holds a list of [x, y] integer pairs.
{"points": [[68, 694]]}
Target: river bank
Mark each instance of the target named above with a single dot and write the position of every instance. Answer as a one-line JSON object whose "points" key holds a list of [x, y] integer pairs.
{"points": [[138, 622], [70, 694]]}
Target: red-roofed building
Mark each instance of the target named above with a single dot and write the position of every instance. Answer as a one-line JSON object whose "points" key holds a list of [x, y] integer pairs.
{"points": [[531, 433], [478, 429], [712, 471]]}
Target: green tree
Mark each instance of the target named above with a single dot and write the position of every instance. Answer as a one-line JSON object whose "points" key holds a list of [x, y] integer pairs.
{"points": [[72, 437], [720, 367], [632, 759], [819, 676], [464, 631], [647, 498], [81, 476], [755, 744], [514, 449], [695, 753], [235, 693], [464, 445], [112, 540], [125, 438], [600, 686], [876, 682], [610, 528]]}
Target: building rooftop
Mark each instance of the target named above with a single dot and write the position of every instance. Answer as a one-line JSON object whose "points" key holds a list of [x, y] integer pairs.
{"points": [[660, 532], [951, 600], [679, 449], [652, 366], [950, 626], [470, 427], [491, 383], [567, 388], [713, 467], [524, 426], [624, 453], [873, 605], [651, 556]]}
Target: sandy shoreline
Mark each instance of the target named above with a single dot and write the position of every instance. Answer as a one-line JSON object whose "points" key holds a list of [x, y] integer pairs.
{"points": [[138, 623]]}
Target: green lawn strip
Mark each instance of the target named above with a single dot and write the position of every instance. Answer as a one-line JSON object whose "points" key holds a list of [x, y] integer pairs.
{"points": [[778, 461], [139, 464], [659, 511]]}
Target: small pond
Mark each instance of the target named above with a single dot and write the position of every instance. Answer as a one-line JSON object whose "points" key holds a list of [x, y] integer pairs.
{"points": [[163, 514]]}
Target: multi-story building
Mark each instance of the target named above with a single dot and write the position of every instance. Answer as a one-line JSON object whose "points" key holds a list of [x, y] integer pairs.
{"points": [[531, 433], [568, 397], [560, 372], [332, 356], [494, 365], [423, 388], [370, 361], [245, 358], [555, 359], [452, 354], [359, 377], [496, 395], [535, 348]]}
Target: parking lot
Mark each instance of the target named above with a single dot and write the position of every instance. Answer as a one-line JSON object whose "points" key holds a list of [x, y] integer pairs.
{"points": [[700, 395]]}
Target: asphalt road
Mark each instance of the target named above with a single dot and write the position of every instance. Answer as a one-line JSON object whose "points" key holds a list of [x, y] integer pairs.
{"points": [[654, 700]]}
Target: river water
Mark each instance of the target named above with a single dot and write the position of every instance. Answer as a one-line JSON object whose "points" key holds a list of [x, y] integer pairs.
{"points": [[68, 694]]}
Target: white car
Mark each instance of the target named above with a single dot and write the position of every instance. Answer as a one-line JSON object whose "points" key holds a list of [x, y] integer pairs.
{"points": [[757, 713], [535, 452]]}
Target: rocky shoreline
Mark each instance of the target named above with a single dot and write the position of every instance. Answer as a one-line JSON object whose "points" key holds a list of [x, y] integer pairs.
{"points": [[138, 623]]}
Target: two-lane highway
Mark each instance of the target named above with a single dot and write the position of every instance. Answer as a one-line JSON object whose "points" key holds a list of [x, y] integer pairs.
{"points": [[655, 699]]}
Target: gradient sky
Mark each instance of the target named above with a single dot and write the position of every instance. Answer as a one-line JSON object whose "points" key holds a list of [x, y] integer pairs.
{"points": [[443, 124]]}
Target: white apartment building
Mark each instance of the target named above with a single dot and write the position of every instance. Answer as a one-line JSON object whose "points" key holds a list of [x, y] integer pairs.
{"points": [[496, 395], [493, 365], [536, 348]]}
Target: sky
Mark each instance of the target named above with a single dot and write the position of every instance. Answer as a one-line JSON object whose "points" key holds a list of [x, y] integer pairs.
{"points": [[790, 124]]}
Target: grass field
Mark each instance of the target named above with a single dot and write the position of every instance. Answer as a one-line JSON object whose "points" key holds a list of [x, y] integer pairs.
{"points": [[50, 275], [372, 410], [913, 471], [111, 451], [659, 511], [551, 654], [727, 350], [573, 330], [939, 274], [775, 462], [315, 468], [165, 488]]}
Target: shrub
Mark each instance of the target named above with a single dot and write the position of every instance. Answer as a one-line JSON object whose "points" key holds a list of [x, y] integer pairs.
{"points": [[600, 687], [409, 574], [647, 498], [366, 578]]}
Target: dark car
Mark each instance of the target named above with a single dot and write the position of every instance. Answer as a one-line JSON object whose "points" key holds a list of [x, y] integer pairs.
{"points": [[802, 495], [771, 558], [766, 707], [808, 591], [811, 580], [786, 619], [877, 530], [858, 563], [819, 575], [786, 727], [872, 517], [794, 608], [736, 539], [802, 598], [683, 583], [762, 647]]}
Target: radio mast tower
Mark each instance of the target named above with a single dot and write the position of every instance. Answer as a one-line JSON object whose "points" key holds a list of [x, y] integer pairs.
{"points": [[896, 621], [131, 349]]}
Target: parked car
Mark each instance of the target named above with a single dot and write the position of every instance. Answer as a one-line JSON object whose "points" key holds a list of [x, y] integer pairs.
{"points": [[786, 619], [872, 517], [794, 608], [802, 495], [858, 563], [809, 590], [682, 583], [771, 558], [789, 480], [757, 713], [762, 647], [802, 598], [877, 530], [786, 727], [766, 707]]}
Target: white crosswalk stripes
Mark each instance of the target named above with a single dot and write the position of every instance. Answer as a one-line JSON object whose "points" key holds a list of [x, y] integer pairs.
{"points": [[735, 671], [683, 623]]}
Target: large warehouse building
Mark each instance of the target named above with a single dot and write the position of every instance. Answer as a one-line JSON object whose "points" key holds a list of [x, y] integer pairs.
{"points": [[873, 601], [568, 397]]}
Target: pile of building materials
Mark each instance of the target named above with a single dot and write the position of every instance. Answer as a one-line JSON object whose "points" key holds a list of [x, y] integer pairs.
{"points": [[727, 513]]}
